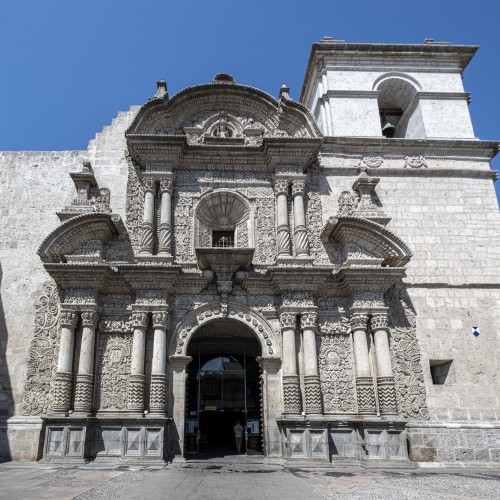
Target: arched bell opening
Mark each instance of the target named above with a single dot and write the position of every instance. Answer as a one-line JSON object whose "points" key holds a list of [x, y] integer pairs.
{"points": [[223, 387]]}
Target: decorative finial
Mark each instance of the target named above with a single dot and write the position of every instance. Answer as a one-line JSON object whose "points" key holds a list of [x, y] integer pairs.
{"points": [[284, 91], [161, 92]]}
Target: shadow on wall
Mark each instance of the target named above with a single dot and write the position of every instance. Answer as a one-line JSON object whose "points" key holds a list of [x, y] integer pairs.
{"points": [[6, 401]]}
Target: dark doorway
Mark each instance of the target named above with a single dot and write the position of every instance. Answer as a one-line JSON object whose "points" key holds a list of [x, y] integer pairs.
{"points": [[223, 388]]}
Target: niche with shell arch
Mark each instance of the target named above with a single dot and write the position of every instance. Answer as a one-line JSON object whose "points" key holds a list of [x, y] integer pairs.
{"points": [[400, 115], [223, 213]]}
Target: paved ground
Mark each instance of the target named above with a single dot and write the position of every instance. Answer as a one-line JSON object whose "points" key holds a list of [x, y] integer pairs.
{"points": [[240, 481]]}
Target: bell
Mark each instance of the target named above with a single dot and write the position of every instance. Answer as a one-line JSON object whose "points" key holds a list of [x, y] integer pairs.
{"points": [[388, 129]]}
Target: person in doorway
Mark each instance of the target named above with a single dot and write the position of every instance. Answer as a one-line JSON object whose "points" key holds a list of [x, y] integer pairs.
{"points": [[238, 435]]}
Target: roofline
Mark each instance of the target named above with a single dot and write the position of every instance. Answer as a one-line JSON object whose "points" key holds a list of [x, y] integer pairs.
{"points": [[337, 47]]}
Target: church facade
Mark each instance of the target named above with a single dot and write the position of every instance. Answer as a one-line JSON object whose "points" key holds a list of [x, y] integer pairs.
{"points": [[324, 272]]}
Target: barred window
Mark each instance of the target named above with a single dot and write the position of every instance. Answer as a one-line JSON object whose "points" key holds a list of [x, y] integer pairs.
{"points": [[223, 238]]}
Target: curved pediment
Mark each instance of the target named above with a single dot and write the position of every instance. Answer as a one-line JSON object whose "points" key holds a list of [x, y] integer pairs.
{"points": [[367, 239], [80, 235], [224, 112]]}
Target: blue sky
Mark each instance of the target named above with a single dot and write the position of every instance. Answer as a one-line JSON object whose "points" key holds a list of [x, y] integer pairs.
{"points": [[68, 66]]}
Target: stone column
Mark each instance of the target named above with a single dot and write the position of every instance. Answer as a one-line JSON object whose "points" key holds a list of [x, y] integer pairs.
{"points": [[385, 378], [311, 373], [291, 388], [157, 393], [63, 383], [148, 220], [85, 376], [300, 232], [364, 379], [165, 229], [136, 378], [281, 191]]}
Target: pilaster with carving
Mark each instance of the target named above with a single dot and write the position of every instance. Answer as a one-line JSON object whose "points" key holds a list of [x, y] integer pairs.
{"points": [[85, 376], [136, 378], [281, 192], [300, 232], [158, 389], [147, 237], [385, 378], [311, 373], [165, 227], [63, 381], [364, 379], [291, 388]]}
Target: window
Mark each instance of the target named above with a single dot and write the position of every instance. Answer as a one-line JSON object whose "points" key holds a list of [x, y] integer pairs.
{"points": [[441, 371], [223, 239]]}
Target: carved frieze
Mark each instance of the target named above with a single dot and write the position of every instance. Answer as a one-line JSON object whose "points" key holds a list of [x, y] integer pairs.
{"points": [[415, 162]]}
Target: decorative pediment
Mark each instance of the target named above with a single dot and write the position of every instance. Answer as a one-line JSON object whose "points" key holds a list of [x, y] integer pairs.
{"points": [[219, 113], [81, 236], [366, 240]]}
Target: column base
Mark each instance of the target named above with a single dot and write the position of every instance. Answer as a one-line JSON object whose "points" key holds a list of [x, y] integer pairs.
{"points": [[366, 396]]}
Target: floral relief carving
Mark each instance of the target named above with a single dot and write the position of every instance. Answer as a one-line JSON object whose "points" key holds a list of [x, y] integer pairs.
{"points": [[405, 352], [265, 232], [336, 373], [183, 224], [415, 162], [42, 355], [134, 206], [348, 201], [113, 368]]}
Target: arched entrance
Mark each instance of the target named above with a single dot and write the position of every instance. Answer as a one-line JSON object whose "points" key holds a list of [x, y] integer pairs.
{"points": [[223, 387]]}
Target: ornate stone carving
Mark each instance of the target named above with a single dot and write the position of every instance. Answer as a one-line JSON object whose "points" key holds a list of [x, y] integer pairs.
{"points": [[298, 187], [242, 236], [166, 185], [338, 326], [288, 320], [100, 199], [313, 394], [409, 379], [308, 320], [371, 161], [291, 394], [115, 324], [359, 321], [68, 318], [134, 206], [135, 400], [158, 394], [139, 319], [113, 368], [160, 319], [297, 299], [336, 373], [415, 162], [378, 321], [147, 237], [366, 395], [83, 392], [92, 248], [348, 201], [281, 187], [42, 360], [387, 396], [80, 296], [265, 234], [89, 318], [183, 226], [204, 235], [61, 397], [368, 300]]}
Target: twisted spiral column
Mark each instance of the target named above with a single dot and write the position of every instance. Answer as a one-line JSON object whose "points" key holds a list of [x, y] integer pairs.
{"points": [[85, 376], [165, 228], [364, 379], [136, 378], [147, 237], [281, 191], [385, 378], [291, 389], [158, 390], [314, 404], [61, 402], [300, 232]]}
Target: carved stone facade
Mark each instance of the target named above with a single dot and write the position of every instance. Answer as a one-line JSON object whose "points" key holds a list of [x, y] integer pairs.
{"points": [[246, 217]]}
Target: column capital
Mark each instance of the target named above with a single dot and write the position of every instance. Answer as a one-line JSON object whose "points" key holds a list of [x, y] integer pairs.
{"points": [[280, 186], [90, 317], [379, 321], [160, 319], [68, 318], [298, 187], [166, 185], [288, 320], [139, 319], [149, 184], [359, 321], [308, 319]]}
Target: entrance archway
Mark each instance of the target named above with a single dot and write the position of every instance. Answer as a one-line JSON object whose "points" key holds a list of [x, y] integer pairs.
{"points": [[223, 386]]}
